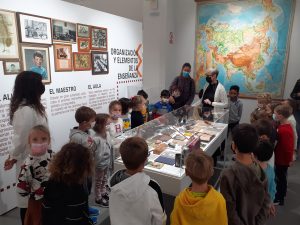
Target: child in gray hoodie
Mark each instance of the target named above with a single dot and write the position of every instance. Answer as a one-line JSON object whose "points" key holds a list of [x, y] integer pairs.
{"points": [[85, 117], [103, 158]]}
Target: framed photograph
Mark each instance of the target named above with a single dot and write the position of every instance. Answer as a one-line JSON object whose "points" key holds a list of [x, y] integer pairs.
{"points": [[63, 57], [12, 67], [99, 38], [84, 44], [36, 59], [9, 44], [83, 30], [34, 29], [63, 31], [81, 61], [99, 63]]}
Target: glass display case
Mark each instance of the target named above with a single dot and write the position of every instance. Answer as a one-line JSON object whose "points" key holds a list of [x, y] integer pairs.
{"points": [[172, 136]]}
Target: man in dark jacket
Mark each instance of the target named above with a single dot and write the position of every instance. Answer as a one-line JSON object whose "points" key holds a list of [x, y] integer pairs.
{"points": [[296, 96]]}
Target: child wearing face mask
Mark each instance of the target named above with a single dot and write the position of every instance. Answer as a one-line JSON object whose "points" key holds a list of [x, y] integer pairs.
{"points": [[34, 173], [115, 112], [235, 107], [102, 158], [163, 106], [85, 117], [284, 150]]}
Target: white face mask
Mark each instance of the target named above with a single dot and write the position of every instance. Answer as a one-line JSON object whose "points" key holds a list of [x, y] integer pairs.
{"points": [[165, 100], [130, 111]]}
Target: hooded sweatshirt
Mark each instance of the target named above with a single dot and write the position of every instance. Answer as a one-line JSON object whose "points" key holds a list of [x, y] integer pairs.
{"points": [[83, 138], [245, 190], [133, 201], [209, 210], [104, 150]]}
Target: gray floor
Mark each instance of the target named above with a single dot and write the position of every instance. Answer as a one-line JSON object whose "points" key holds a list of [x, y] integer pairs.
{"points": [[288, 214]]}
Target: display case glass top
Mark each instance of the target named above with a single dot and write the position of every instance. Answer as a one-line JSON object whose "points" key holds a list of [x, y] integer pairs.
{"points": [[171, 137]]}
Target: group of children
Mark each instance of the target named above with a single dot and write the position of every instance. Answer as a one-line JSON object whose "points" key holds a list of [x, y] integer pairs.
{"points": [[57, 186]]}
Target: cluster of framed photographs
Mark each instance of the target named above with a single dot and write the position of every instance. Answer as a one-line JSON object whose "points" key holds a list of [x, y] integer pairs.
{"points": [[36, 33]]}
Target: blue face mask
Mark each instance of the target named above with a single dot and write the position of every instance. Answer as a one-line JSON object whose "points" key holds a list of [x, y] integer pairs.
{"points": [[274, 117], [185, 74]]}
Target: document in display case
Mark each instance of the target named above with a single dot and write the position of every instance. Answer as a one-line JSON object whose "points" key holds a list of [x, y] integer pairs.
{"points": [[172, 136]]}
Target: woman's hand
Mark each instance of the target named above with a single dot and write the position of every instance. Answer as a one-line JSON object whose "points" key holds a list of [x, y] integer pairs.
{"points": [[9, 163], [207, 101], [171, 100]]}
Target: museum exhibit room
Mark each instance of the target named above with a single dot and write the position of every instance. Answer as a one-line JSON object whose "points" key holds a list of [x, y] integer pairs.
{"points": [[149, 112]]}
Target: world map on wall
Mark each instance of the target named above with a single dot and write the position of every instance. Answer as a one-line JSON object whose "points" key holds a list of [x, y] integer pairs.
{"points": [[247, 41]]}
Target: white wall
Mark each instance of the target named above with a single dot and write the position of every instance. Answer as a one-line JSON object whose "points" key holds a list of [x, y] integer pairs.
{"points": [[132, 9], [184, 22], [122, 33], [154, 33]]}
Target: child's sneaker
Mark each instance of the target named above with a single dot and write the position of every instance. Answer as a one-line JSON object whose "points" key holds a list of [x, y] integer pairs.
{"points": [[106, 196], [94, 211], [107, 188], [94, 219], [278, 202], [102, 202]]}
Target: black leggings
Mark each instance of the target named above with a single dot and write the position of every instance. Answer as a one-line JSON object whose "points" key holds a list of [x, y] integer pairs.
{"points": [[281, 181], [22, 214]]}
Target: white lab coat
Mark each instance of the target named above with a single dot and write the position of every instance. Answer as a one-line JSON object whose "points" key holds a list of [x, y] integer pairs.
{"points": [[220, 98]]}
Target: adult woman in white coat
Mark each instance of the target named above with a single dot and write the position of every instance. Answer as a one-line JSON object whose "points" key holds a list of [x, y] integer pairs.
{"points": [[26, 111], [214, 94]]}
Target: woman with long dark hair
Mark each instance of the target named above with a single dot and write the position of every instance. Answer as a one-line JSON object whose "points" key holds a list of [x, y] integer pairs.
{"points": [[26, 111], [185, 85]]}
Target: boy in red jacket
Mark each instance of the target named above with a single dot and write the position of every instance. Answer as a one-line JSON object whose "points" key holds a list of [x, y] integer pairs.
{"points": [[283, 151]]}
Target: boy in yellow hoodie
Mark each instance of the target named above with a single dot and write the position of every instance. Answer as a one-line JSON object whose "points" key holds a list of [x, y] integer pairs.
{"points": [[200, 203]]}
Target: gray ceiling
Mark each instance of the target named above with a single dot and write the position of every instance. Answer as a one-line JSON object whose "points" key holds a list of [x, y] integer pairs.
{"points": [[132, 9]]}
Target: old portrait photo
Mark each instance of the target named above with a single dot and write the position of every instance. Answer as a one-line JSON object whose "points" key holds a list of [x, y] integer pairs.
{"points": [[36, 59], [11, 67]]}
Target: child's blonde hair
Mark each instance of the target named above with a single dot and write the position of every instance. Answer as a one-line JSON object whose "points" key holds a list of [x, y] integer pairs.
{"points": [[136, 100], [199, 166], [264, 98], [283, 110], [40, 128], [258, 114]]}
